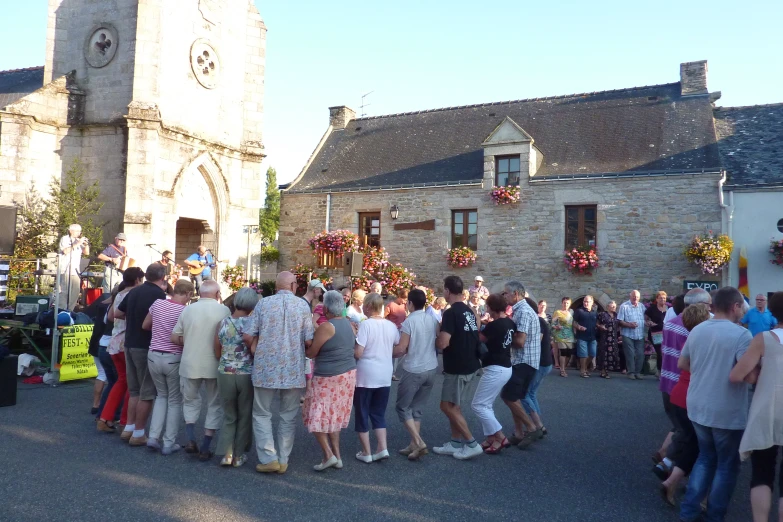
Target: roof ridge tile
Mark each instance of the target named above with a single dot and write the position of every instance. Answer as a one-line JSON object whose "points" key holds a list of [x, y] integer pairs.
{"points": [[23, 69], [521, 100]]}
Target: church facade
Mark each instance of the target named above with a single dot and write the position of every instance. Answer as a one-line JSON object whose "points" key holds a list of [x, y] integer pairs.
{"points": [[161, 103]]}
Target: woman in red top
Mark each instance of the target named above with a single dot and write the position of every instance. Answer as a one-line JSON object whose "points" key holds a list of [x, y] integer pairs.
{"points": [[396, 312], [684, 448]]}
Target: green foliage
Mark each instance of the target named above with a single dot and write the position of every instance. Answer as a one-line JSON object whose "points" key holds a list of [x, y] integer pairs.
{"points": [[43, 221], [269, 216], [269, 254]]}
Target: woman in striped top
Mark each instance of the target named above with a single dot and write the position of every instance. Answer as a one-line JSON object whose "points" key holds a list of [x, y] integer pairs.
{"points": [[163, 362]]}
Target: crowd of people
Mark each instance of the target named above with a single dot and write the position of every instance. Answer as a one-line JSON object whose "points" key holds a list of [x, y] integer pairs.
{"points": [[328, 354]]}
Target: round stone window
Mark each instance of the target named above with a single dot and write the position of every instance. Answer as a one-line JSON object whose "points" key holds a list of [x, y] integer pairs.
{"points": [[101, 45], [780, 225], [205, 63]]}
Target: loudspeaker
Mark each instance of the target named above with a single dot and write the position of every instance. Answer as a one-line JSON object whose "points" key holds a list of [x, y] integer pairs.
{"points": [[353, 264], [7, 230]]}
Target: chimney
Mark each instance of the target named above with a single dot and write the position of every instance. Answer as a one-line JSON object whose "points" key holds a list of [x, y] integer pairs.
{"points": [[693, 78], [340, 116]]}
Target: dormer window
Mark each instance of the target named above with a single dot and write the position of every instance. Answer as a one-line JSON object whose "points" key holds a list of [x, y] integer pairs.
{"points": [[506, 171]]}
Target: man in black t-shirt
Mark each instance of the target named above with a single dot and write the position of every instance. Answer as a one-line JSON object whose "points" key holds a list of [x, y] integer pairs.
{"points": [[458, 338], [585, 319], [134, 309]]}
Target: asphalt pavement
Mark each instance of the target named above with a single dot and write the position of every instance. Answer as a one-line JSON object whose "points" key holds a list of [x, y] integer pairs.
{"points": [[594, 466]]}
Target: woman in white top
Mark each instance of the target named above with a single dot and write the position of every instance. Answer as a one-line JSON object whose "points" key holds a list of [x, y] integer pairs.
{"points": [[355, 314], [374, 345], [762, 365]]}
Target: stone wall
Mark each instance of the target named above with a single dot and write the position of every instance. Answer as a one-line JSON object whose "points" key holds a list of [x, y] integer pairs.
{"points": [[643, 225]]}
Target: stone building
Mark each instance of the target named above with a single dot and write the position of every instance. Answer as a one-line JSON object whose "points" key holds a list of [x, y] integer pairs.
{"points": [[750, 141], [162, 104], [635, 172]]}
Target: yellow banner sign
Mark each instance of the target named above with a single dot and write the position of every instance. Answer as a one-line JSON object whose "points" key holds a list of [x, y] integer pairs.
{"points": [[76, 362]]}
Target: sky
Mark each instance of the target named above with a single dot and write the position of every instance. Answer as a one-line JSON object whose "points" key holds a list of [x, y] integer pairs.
{"points": [[426, 54]]}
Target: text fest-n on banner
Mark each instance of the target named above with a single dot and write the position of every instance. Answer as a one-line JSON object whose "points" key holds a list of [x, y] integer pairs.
{"points": [[76, 361]]}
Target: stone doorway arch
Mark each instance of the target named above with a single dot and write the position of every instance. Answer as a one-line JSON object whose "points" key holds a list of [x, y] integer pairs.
{"points": [[199, 206]]}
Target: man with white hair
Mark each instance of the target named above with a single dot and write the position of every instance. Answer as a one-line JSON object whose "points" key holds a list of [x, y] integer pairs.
{"points": [[280, 331], [195, 332], [631, 319], [72, 248]]}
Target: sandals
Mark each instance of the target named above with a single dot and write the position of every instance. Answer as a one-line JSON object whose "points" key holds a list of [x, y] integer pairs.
{"points": [[605, 375], [494, 450], [563, 373], [486, 445], [586, 375]]}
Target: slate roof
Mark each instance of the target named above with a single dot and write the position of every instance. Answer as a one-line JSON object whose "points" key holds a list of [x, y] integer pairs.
{"points": [[751, 144], [641, 129], [17, 83]]}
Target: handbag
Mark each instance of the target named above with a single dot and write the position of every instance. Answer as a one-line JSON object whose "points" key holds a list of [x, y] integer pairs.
{"points": [[481, 347]]}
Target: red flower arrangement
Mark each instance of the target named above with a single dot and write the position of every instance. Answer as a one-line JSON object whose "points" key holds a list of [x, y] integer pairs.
{"points": [[302, 271], [505, 195], [461, 257], [776, 249], [581, 260], [338, 241], [396, 277]]}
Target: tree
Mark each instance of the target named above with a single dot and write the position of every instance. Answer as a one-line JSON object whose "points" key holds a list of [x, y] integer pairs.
{"points": [[269, 216]]}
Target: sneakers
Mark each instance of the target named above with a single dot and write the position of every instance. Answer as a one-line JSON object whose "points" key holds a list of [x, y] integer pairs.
{"points": [[466, 452], [227, 460], [446, 449], [168, 450], [138, 441], [153, 444], [269, 467], [240, 461]]}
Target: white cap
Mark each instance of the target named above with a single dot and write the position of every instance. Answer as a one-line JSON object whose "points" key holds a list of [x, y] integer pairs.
{"points": [[479, 278]]}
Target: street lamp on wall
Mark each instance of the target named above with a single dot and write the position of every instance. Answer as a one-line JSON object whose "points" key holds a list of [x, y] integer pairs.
{"points": [[394, 211]]}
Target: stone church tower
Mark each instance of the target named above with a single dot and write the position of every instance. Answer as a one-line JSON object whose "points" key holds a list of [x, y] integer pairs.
{"points": [[161, 101]]}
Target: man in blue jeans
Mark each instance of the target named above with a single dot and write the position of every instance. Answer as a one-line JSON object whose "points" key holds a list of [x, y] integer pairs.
{"points": [[717, 408], [584, 330]]}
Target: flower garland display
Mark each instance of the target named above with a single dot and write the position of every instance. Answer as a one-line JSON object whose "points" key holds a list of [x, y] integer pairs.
{"points": [[263, 288], [710, 253], [339, 241], [234, 277], [301, 271], [461, 257], [776, 249], [505, 195], [581, 260], [375, 260], [396, 277], [430, 293]]}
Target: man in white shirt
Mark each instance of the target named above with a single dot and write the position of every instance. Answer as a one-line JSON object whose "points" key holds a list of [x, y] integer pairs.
{"points": [[71, 249], [631, 319]]}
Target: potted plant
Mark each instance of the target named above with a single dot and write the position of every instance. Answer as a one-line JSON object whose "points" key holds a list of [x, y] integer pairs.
{"points": [[234, 277], [711, 253], [776, 249], [461, 257], [581, 259], [505, 195]]}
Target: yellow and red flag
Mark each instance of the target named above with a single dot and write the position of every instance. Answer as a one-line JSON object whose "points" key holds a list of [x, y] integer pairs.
{"points": [[743, 274]]}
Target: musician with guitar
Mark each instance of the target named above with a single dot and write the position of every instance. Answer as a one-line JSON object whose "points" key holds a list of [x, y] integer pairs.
{"points": [[115, 258], [72, 248], [200, 266]]}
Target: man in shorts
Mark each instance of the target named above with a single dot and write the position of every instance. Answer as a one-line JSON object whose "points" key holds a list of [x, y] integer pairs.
{"points": [[525, 358], [458, 338]]}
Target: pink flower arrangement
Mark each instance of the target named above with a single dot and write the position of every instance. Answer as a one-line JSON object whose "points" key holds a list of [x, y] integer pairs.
{"points": [[338, 241], [461, 257], [505, 195], [776, 249], [581, 260], [375, 260], [234, 277]]}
